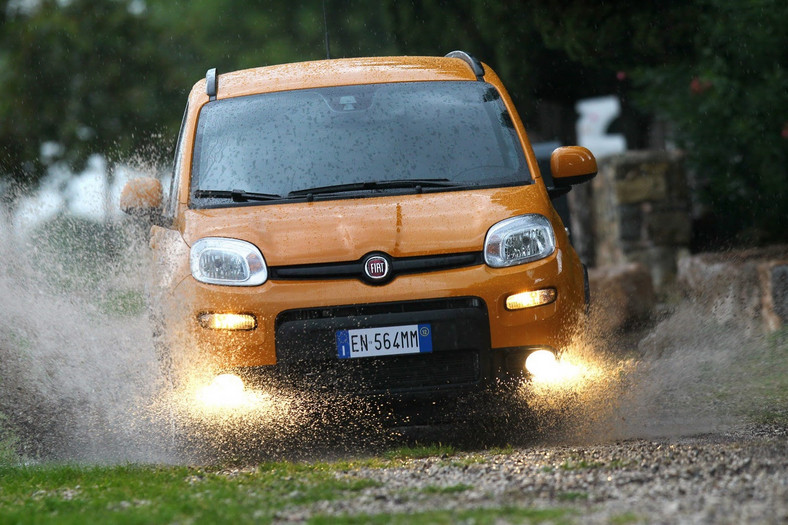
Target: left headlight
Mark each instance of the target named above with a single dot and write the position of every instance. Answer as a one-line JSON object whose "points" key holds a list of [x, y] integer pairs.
{"points": [[231, 262], [519, 240]]}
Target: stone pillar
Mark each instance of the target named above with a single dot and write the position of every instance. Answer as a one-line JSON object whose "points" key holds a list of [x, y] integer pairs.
{"points": [[640, 212]]}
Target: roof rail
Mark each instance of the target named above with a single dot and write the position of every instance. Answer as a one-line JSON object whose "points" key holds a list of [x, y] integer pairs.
{"points": [[211, 83], [473, 62]]}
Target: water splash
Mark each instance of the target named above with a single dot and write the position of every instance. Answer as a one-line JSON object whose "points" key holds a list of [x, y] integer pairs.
{"points": [[685, 375], [79, 378], [76, 357]]}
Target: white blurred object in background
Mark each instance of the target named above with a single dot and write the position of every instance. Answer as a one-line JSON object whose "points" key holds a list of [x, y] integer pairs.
{"points": [[596, 116]]}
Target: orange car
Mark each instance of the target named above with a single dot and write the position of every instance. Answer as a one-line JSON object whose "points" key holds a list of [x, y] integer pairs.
{"points": [[377, 225]]}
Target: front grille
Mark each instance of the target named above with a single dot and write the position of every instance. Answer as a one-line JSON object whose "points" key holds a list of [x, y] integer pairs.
{"points": [[355, 269]]}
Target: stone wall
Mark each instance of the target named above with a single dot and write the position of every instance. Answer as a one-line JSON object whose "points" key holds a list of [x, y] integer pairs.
{"points": [[636, 210], [747, 289]]}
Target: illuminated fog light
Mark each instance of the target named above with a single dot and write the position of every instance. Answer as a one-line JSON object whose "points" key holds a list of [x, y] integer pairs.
{"points": [[228, 383], [226, 390], [226, 396], [522, 300], [216, 321], [541, 363]]}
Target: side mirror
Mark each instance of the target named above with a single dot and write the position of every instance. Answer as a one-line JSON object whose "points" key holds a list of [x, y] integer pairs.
{"points": [[572, 165], [142, 198]]}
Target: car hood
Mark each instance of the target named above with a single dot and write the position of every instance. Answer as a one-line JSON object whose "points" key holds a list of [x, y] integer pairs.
{"points": [[347, 229]]}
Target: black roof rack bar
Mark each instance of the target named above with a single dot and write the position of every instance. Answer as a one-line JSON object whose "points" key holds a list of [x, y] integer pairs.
{"points": [[211, 83], [476, 66]]}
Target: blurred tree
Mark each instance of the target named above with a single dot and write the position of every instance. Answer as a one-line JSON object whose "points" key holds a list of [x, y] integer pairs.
{"points": [[87, 76], [238, 34], [110, 76], [82, 77], [504, 35], [717, 70]]}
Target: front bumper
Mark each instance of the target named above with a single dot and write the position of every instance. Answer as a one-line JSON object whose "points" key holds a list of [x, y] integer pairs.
{"points": [[477, 341]]}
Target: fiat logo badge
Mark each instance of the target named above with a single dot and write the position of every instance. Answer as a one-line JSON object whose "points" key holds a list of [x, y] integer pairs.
{"points": [[376, 267]]}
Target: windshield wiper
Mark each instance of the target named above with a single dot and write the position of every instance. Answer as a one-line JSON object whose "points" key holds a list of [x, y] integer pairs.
{"points": [[377, 185], [236, 195]]}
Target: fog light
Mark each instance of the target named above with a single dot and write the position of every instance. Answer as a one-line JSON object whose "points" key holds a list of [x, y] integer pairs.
{"points": [[541, 363], [522, 300], [226, 390], [227, 321]]}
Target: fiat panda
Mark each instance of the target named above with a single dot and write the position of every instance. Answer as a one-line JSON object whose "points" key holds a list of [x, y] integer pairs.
{"points": [[377, 226]]}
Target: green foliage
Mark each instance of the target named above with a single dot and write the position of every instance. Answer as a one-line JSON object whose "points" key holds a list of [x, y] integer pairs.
{"points": [[505, 36], [619, 34], [91, 77], [110, 77], [728, 102], [714, 69]]}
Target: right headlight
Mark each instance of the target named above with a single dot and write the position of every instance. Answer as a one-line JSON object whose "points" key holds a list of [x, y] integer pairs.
{"points": [[519, 240], [232, 262]]}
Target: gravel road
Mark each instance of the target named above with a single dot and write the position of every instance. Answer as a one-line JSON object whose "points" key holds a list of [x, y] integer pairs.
{"points": [[738, 476]]}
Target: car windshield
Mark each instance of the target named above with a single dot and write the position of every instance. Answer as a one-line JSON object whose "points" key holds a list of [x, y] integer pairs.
{"points": [[352, 137]]}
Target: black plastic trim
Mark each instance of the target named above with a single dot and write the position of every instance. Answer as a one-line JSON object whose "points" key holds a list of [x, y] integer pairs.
{"points": [[571, 181], [355, 269], [554, 192]]}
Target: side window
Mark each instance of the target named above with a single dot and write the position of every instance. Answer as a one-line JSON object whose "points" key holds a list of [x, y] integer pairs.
{"points": [[172, 199]]}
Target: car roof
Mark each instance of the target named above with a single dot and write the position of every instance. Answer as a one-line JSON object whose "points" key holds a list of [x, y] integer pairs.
{"points": [[338, 72]]}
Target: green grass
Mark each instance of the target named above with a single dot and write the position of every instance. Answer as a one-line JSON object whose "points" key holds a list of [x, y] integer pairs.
{"points": [[625, 519], [421, 452], [773, 386], [148, 494], [70, 494], [750, 384], [572, 496], [760, 388], [502, 451], [449, 489], [621, 463], [8, 444]]}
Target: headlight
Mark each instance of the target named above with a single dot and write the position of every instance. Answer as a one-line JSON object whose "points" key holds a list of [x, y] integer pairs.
{"points": [[519, 240], [230, 262]]}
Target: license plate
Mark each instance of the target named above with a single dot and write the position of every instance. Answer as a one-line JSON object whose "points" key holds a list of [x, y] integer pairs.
{"points": [[391, 340]]}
